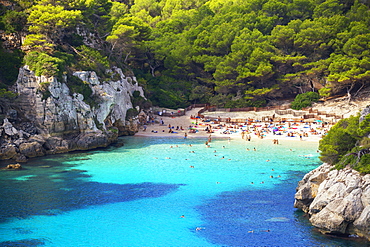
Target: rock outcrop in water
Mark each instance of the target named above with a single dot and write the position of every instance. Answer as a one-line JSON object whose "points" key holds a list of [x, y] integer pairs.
{"points": [[60, 121], [337, 201]]}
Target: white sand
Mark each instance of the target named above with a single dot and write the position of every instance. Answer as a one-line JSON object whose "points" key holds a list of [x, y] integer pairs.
{"points": [[235, 131]]}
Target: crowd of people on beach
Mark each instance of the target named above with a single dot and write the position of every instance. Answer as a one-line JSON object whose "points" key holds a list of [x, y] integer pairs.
{"points": [[256, 129]]}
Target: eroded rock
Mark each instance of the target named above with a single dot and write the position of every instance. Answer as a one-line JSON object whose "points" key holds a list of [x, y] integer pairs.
{"points": [[342, 203]]}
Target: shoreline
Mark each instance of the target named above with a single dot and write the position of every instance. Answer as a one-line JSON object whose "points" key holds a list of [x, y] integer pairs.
{"points": [[187, 127]]}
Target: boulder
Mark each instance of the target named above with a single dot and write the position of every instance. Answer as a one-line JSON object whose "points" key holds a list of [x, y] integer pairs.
{"points": [[9, 129], [21, 158], [329, 221], [31, 149], [362, 223], [91, 140], [8, 151], [340, 204]]}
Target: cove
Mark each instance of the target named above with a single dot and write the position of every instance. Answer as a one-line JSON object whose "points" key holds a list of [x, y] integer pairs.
{"points": [[162, 192]]}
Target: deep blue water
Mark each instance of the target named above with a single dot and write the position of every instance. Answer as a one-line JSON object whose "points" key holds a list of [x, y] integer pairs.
{"points": [[162, 192]]}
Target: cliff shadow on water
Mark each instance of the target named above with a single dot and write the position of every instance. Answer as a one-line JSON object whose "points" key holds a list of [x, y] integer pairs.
{"points": [[48, 186]]}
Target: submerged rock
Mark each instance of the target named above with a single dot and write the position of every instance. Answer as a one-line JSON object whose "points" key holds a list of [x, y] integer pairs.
{"points": [[14, 167]]}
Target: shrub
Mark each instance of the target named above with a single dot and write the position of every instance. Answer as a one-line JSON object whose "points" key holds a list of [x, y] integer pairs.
{"points": [[10, 62], [339, 140], [166, 98], [7, 94], [325, 92], [76, 85], [304, 100], [140, 101], [219, 100], [92, 60], [131, 113], [44, 90], [364, 165], [48, 65]]}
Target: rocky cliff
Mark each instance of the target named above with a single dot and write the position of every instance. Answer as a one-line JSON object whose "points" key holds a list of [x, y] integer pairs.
{"points": [[337, 201], [48, 118]]}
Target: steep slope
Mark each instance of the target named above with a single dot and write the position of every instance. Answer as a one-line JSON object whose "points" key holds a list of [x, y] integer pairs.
{"points": [[48, 118]]}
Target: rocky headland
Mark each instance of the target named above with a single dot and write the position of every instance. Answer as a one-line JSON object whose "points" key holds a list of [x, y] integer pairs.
{"points": [[336, 201], [47, 118]]}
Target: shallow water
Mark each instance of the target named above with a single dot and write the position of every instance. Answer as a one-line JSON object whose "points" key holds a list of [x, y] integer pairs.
{"points": [[162, 192]]}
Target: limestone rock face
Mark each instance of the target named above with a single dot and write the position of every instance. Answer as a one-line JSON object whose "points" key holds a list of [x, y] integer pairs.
{"points": [[55, 120], [31, 149], [337, 202], [9, 129], [8, 151]]}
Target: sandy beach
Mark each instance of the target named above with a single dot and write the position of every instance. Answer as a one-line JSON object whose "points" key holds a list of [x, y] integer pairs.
{"points": [[187, 127]]}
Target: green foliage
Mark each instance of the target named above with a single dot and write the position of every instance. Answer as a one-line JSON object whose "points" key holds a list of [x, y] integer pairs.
{"points": [[51, 20], [76, 85], [241, 52], [200, 94], [167, 99], [48, 65], [364, 127], [324, 92], [43, 64], [131, 113], [92, 60], [304, 100], [364, 165], [365, 142], [7, 94], [38, 42], [339, 140], [347, 159], [219, 100], [14, 21], [10, 62], [138, 100], [44, 90]]}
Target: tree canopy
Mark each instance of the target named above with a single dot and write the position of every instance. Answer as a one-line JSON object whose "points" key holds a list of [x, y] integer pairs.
{"points": [[348, 144], [237, 52]]}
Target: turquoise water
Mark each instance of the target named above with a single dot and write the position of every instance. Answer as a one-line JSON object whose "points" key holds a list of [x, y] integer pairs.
{"points": [[162, 192]]}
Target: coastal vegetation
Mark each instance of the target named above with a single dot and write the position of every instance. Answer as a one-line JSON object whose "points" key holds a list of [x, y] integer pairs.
{"points": [[304, 100], [348, 144], [230, 53]]}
